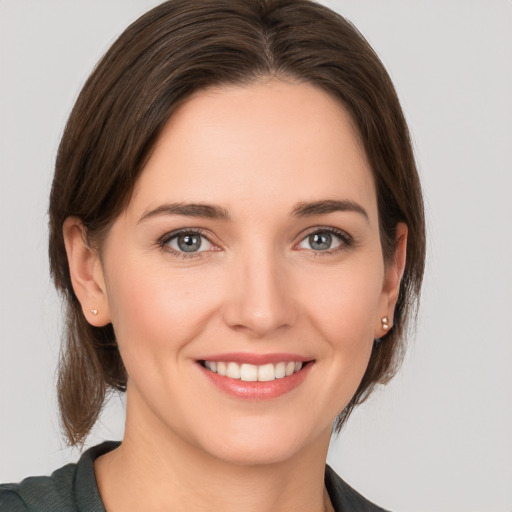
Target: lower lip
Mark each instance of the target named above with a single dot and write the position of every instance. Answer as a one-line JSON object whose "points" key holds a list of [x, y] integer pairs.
{"points": [[256, 390]]}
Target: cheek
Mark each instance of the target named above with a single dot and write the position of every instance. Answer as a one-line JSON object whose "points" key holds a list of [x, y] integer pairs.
{"points": [[345, 303], [156, 310]]}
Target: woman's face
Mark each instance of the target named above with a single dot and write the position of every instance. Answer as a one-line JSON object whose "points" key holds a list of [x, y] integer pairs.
{"points": [[251, 243]]}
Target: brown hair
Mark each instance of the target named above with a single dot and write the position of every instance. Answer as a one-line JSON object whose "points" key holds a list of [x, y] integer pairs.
{"points": [[158, 62]]}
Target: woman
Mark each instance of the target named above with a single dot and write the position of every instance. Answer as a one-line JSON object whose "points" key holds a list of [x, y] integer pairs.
{"points": [[236, 225]]}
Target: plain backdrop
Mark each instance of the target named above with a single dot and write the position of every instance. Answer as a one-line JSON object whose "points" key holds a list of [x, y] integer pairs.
{"points": [[438, 438]]}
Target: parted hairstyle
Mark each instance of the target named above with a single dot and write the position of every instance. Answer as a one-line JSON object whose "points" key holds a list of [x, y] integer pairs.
{"points": [[158, 62]]}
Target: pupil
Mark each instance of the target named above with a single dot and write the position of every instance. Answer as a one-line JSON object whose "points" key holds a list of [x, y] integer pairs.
{"points": [[189, 243], [320, 241]]}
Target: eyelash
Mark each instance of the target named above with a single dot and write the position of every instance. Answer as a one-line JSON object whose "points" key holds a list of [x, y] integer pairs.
{"points": [[345, 238], [168, 237]]}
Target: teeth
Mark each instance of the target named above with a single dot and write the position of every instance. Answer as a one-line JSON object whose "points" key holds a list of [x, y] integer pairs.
{"points": [[233, 371], [221, 368], [266, 372], [252, 373], [280, 370], [249, 372]]}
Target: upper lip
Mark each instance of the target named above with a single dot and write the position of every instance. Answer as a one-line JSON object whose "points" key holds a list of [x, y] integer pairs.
{"points": [[256, 359]]}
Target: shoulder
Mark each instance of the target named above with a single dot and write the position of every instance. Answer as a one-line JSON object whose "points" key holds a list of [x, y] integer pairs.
{"points": [[40, 492], [10, 500], [64, 490], [345, 498]]}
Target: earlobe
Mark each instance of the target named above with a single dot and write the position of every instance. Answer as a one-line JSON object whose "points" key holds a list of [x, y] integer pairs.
{"points": [[86, 273]]}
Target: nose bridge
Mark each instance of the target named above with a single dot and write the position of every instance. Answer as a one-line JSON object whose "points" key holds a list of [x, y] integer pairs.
{"points": [[261, 301]]}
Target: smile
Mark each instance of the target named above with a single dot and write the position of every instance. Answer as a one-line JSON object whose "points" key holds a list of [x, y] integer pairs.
{"points": [[255, 376], [254, 373]]}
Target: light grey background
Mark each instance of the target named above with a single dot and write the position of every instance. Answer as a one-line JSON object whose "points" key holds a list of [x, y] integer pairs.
{"points": [[439, 438]]}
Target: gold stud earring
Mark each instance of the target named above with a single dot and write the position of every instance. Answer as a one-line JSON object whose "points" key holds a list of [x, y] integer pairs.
{"points": [[94, 312], [385, 323]]}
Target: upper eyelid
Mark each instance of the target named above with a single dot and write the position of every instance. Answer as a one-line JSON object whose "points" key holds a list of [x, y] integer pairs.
{"points": [[319, 229], [184, 231], [206, 232], [315, 229], [164, 243]]}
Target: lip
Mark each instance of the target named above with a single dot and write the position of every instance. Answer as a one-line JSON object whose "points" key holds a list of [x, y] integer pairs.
{"points": [[256, 390]]}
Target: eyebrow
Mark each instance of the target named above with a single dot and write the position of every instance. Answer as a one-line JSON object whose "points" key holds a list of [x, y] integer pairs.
{"points": [[328, 206], [210, 211], [201, 210]]}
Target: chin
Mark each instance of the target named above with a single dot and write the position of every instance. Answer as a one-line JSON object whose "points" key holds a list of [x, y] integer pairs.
{"points": [[259, 455], [261, 444]]}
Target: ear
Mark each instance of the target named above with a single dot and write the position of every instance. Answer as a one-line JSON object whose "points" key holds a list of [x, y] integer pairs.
{"points": [[393, 277], [86, 273]]}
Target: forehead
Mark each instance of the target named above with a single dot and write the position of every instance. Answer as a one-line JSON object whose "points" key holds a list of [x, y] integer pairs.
{"points": [[270, 142]]}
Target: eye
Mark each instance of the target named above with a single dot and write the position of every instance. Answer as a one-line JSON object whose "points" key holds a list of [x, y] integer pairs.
{"points": [[188, 242], [324, 240]]}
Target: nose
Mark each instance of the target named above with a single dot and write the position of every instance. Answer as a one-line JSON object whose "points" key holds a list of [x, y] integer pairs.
{"points": [[260, 297]]}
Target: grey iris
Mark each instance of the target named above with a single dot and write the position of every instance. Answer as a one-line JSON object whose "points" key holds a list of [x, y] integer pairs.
{"points": [[320, 241], [189, 243]]}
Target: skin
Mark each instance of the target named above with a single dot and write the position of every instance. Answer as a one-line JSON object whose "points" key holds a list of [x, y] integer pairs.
{"points": [[257, 286]]}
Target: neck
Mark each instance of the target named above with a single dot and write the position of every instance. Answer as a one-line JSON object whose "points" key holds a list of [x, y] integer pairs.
{"points": [[156, 469]]}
